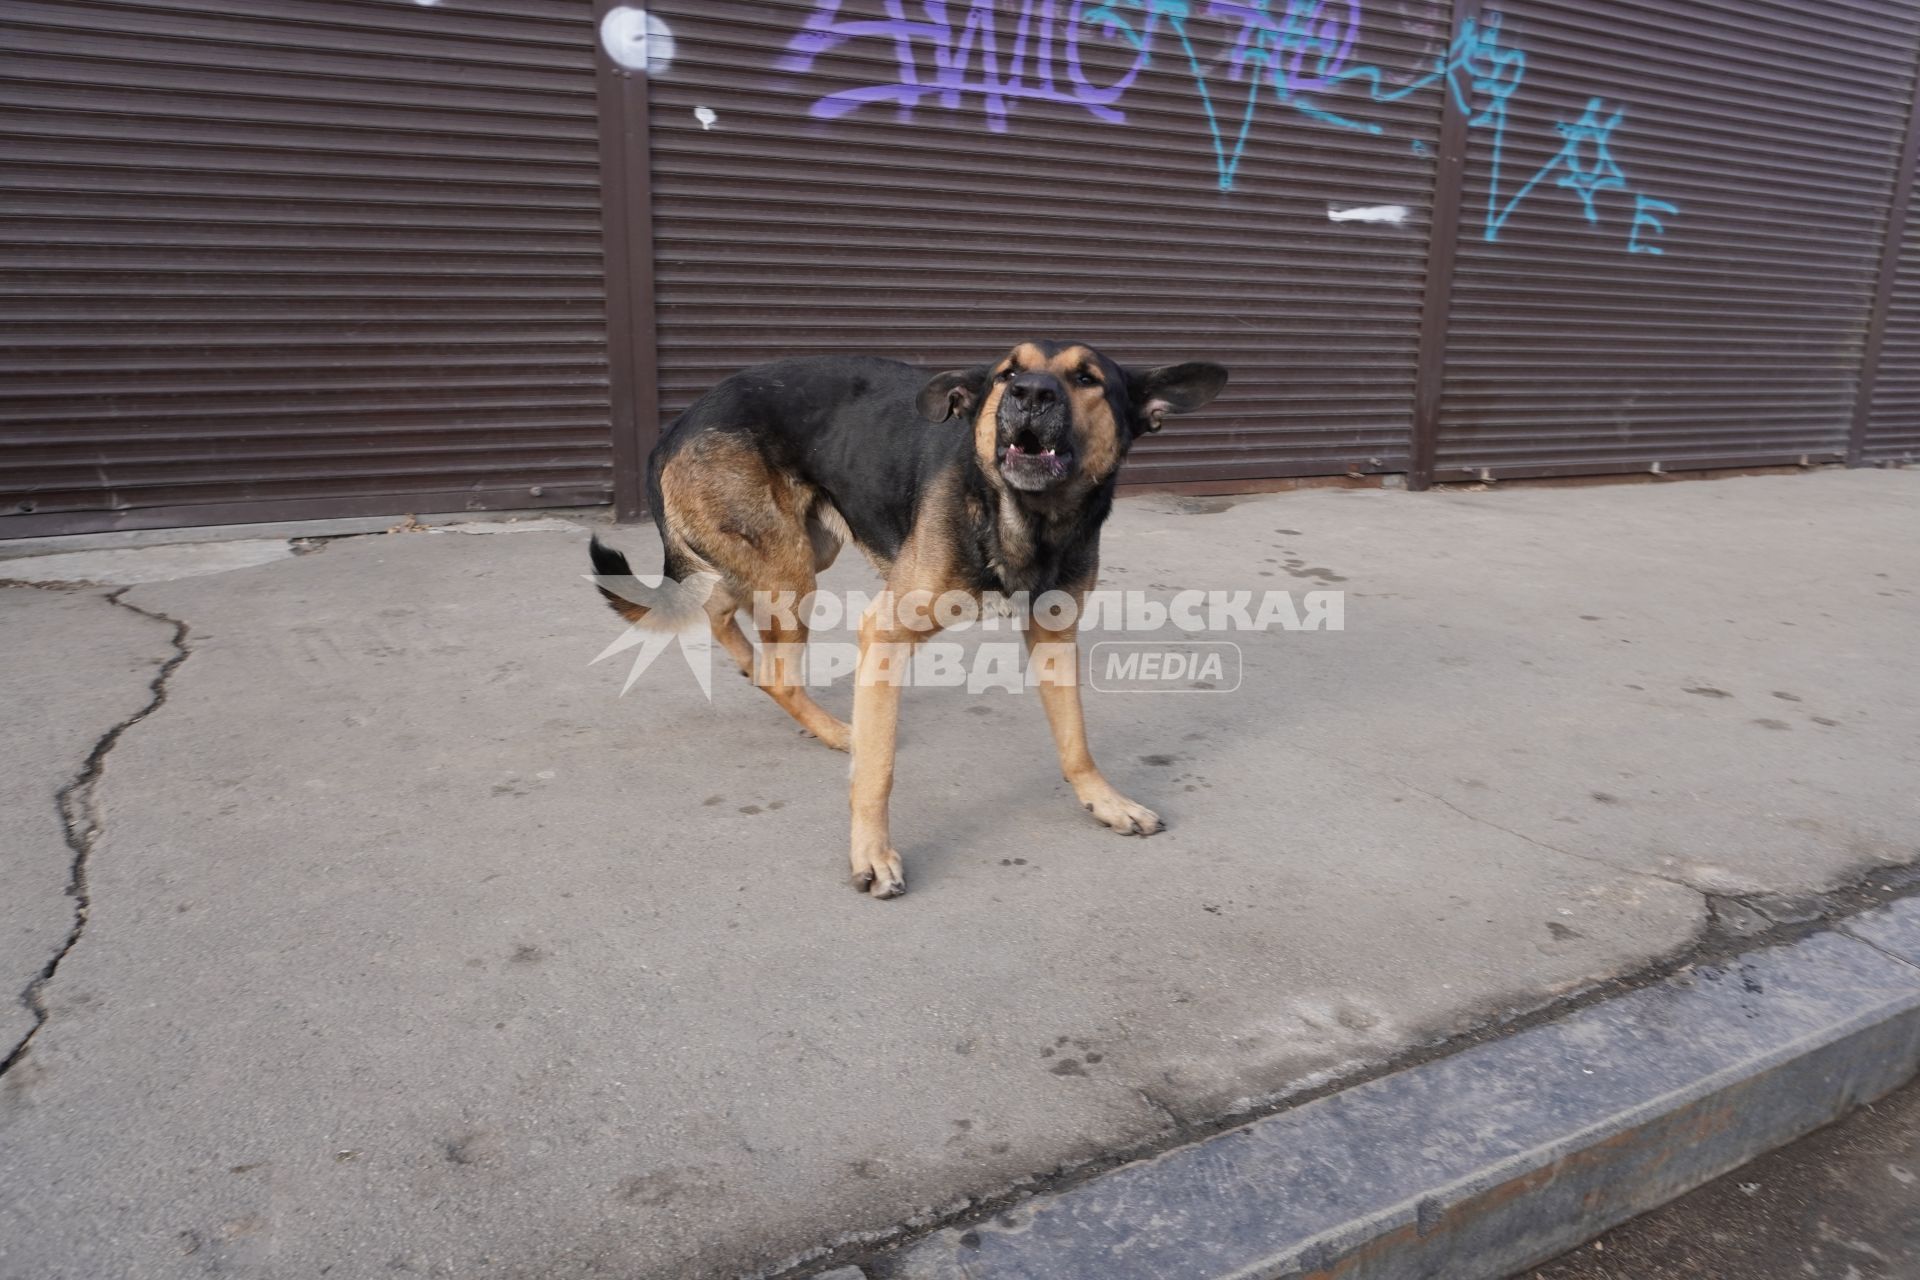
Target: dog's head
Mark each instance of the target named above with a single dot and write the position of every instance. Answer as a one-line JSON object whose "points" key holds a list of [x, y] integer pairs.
{"points": [[1051, 415]]}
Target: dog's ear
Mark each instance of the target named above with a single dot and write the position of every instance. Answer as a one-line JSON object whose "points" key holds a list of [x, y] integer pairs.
{"points": [[1173, 388], [957, 391]]}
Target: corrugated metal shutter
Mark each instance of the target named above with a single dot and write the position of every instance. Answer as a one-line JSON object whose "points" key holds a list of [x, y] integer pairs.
{"points": [[1893, 425], [925, 234], [1753, 145], [298, 257]]}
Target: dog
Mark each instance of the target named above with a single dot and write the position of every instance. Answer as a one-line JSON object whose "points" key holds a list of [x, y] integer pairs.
{"points": [[991, 479]]}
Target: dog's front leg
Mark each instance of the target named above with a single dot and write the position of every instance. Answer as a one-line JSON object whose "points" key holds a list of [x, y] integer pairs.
{"points": [[1056, 659], [886, 649]]}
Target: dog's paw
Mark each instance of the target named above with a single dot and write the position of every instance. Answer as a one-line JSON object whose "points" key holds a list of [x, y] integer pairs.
{"points": [[1123, 815], [839, 735], [882, 875]]}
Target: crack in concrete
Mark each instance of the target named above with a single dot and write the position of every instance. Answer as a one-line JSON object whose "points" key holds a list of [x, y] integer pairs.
{"points": [[1159, 1108], [80, 821], [1846, 928], [1537, 843]]}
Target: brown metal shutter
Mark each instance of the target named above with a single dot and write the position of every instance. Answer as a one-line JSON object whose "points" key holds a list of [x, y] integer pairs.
{"points": [[288, 258], [1893, 426], [926, 235], [1756, 149]]}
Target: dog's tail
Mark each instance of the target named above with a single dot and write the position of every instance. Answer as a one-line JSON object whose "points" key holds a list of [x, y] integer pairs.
{"points": [[608, 563], [671, 606]]}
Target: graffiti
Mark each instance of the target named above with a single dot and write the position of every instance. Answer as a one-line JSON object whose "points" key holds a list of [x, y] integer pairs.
{"points": [[1644, 221], [1042, 54], [1296, 54], [975, 58], [1586, 166], [1321, 34], [1482, 76]]}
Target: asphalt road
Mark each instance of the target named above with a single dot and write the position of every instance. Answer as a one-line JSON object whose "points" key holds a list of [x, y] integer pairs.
{"points": [[1840, 1204]]}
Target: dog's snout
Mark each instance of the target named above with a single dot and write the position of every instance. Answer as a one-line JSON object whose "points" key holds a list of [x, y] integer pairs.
{"points": [[1035, 391]]}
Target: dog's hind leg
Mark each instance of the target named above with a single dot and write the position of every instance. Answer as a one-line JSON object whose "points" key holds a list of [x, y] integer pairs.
{"points": [[783, 647], [779, 666], [747, 522], [721, 607]]}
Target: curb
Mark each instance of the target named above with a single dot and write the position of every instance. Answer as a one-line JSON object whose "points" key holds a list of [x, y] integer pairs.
{"points": [[1500, 1156]]}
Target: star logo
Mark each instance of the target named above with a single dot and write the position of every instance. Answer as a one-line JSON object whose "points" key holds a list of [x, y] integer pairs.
{"points": [[1590, 168], [675, 612]]}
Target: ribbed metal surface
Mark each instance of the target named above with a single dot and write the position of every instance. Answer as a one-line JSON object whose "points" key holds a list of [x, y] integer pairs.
{"points": [[281, 258], [926, 235], [1893, 425], [1769, 134]]}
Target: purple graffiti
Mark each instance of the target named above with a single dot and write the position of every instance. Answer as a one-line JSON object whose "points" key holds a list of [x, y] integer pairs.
{"points": [[999, 58], [1083, 54]]}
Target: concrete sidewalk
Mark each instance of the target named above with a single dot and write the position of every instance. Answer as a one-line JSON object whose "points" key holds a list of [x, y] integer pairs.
{"points": [[411, 948]]}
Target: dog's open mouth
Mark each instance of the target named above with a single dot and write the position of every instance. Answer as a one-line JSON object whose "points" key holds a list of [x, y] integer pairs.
{"points": [[1027, 463]]}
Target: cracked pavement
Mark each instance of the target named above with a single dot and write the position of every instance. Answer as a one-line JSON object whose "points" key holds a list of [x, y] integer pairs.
{"points": [[415, 949], [80, 668]]}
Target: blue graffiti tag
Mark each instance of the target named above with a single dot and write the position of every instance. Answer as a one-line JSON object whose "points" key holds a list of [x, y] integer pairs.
{"points": [[1299, 54], [1482, 76], [1644, 222], [1587, 167]]}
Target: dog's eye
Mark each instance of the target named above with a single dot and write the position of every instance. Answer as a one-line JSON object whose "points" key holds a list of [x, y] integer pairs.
{"points": [[1086, 379], [1005, 375]]}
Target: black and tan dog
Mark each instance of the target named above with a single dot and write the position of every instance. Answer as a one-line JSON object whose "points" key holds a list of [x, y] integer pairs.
{"points": [[764, 478]]}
